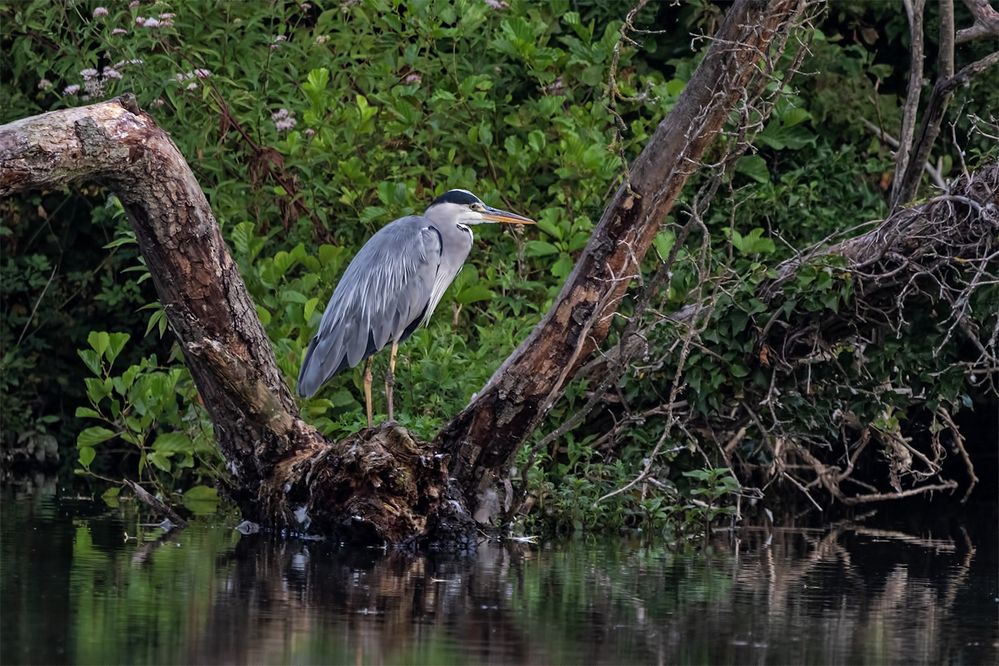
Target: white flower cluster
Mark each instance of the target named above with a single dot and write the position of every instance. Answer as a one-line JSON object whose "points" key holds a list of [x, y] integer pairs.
{"points": [[284, 120], [94, 81]]}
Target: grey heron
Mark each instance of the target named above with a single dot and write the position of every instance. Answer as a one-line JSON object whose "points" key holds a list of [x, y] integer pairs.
{"points": [[391, 286]]}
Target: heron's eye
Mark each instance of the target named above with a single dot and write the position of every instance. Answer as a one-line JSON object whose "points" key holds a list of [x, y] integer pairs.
{"points": [[477, 207]]}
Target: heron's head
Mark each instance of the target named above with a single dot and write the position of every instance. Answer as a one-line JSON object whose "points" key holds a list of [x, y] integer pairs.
{"points": [[463, 207]]}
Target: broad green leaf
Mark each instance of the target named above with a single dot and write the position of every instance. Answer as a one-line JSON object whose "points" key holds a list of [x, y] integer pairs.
{"points": [[201, 494], [310, 307], [160, 460], [540, 248], [116, 343], [94, 435], [173, 442], [753, 166], [474, 294], [99, 341], [664, 242], [91, 359], [87, 455]]}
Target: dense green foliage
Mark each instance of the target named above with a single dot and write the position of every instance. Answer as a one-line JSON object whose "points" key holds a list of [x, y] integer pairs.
{"points": [[309, 125]]}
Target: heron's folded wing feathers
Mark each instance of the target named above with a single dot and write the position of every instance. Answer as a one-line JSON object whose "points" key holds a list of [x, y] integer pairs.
{"points": [[387, 285]]}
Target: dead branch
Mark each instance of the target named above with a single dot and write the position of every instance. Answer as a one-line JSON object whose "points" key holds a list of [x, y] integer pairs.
{"points": [[376, 486], [932, 171], [155, 503], [917, 155], [986, 22], [914, 11]]}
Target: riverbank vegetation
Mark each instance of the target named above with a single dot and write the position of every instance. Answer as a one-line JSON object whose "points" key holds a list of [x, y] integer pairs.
{"points": [[809, 327]]}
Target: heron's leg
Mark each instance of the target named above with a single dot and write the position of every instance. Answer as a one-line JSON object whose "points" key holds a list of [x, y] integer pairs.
{"points": [[390, 379], [367, 390]]}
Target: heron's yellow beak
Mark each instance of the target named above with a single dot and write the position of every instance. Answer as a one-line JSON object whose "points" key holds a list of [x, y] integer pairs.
{"points": [[504, 217]]}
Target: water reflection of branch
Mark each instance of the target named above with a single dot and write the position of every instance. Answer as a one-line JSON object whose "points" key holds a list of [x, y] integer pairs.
{"points": [[901, 600], [147, 548]]}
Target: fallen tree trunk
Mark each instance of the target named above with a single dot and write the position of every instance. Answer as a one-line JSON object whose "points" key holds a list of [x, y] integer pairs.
{"points": [[379, 485]]}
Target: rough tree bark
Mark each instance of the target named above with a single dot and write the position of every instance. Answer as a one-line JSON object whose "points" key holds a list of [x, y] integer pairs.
{"points": [[378, 485], [484, 436]]}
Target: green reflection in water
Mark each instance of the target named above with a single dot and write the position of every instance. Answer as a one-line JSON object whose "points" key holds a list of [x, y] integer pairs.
{"points": [[75, 590]]}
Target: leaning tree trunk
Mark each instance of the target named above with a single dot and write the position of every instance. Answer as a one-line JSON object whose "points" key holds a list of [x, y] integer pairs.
{"points": [[484, 437], [379, 485]]}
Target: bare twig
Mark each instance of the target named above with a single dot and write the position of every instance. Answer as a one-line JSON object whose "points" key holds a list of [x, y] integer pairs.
{"points": [[155, 503], [932, 171], [910, 492], [959, 444]]}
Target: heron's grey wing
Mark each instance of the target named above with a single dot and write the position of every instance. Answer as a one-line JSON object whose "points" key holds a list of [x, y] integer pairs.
{"points": [[386, 287]]}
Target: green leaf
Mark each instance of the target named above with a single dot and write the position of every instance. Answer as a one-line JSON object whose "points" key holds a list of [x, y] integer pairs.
{"points": [[87, 455], [160, 460], [753, 166], [795, 116], [540, 248], [121, 240], [97, 390], [173, 442], [201, 494], [99, 341], [310, 307], [94, 435], [92, 360], [563, 266], [116, 343], [342, 398], [87, 412], [664, 242], [474, 294]]}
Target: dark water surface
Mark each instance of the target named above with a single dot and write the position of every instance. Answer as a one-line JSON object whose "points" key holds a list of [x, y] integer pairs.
{"points": [[73, 589]]}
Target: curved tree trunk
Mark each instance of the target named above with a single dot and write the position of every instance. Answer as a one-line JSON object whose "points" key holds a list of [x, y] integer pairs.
{"points": [[378, 485], [206, 302], [283, 472]]}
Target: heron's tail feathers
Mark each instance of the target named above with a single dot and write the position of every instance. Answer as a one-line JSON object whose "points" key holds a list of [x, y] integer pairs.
{"points": [[310, 377], [326, 357]]}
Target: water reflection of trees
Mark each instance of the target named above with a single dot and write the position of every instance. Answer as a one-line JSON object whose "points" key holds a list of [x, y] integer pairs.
{"points": [[207, 595], [852, 594]]}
